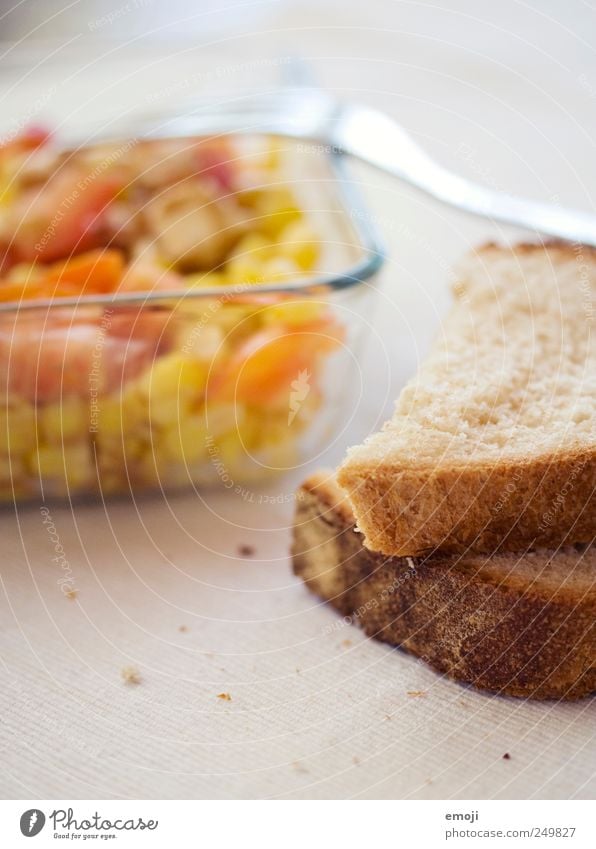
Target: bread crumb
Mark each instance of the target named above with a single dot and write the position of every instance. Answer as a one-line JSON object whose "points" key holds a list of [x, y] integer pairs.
{"points": [[506, 756], [225, 697], [417, 694], [131, 675], [356, 761], [346, 644], [71, 594], [183, 629], [299, 767], [246, 550]]}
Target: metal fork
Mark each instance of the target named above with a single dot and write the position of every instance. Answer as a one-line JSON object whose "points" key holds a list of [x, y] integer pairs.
{"points": [[375, 138]]}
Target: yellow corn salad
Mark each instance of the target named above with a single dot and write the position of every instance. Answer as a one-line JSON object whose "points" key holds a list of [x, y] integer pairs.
{"points": [[114, 398]]}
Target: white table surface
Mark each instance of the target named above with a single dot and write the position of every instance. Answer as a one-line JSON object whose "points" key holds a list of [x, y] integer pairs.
{"points": [[507, 95]]}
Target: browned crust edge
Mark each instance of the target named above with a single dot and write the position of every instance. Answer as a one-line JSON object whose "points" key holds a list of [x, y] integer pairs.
{"points": [[497, 636], [508, 507], [570, 249]]}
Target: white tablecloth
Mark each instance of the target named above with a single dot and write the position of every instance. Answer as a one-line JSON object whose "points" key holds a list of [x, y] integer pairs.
{"points": [[313, 711]]}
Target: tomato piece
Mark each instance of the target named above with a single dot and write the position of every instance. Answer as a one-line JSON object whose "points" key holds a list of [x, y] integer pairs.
{"points": [[94, 272], [30, 138], [215, 159], [20, 291], [44, 363], [263, 369], [65, 217]]}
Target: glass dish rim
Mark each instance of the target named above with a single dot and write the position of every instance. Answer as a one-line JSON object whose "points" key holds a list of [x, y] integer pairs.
{"points": [[355, 275]]}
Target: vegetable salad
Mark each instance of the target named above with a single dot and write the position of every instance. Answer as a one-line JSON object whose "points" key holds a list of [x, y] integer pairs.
{"points": [[105, 396]]}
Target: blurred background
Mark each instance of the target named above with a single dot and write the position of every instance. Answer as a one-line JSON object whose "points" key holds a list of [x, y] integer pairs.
{"points": [[504, 93]]}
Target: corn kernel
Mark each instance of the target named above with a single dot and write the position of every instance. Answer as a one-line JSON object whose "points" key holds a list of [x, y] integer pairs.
{"points": [[279, 270], [200, 340], [276, 207], [63, 421], [206, 280], [118, 450], [7, 191], [11, 468], [236, 316], [165, 411], [23, 272], [172, 375], [279, 455], [251, 431], [244, 269], [17, 429], [253, 247], [294, 313], [298, 241], [110, 420], [184, 442], [135, 407], [271, 156], [192, 377], [221, 418], [230, 447], [69, 463], [133, 447]]}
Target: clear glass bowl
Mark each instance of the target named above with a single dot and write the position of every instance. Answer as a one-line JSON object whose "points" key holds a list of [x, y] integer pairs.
{"points": [[216, 382]]}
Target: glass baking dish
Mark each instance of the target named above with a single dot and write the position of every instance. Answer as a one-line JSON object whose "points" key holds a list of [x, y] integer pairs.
{"points": [[229, 372]]}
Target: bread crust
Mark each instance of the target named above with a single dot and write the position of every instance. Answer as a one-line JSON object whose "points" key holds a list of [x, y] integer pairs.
{"points": [[407, 509], [539, 503], [493, 630]]}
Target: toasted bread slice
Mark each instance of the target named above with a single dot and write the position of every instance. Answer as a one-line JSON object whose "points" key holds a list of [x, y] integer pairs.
{"points": [[493, 443], [516, 624]]}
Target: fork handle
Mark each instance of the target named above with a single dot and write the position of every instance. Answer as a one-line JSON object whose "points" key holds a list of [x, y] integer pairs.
{"points": [[378, 140]]}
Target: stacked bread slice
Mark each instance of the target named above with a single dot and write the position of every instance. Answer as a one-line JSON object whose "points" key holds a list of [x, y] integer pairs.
{"points": [[482, 487]]}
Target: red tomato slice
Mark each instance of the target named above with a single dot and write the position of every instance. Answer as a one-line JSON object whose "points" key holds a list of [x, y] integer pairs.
{"points": [[65, 217]]}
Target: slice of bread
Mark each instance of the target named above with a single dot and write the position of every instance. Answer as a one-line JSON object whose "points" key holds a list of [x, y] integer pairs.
{"points": [[493, 443], [516, 624]]}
